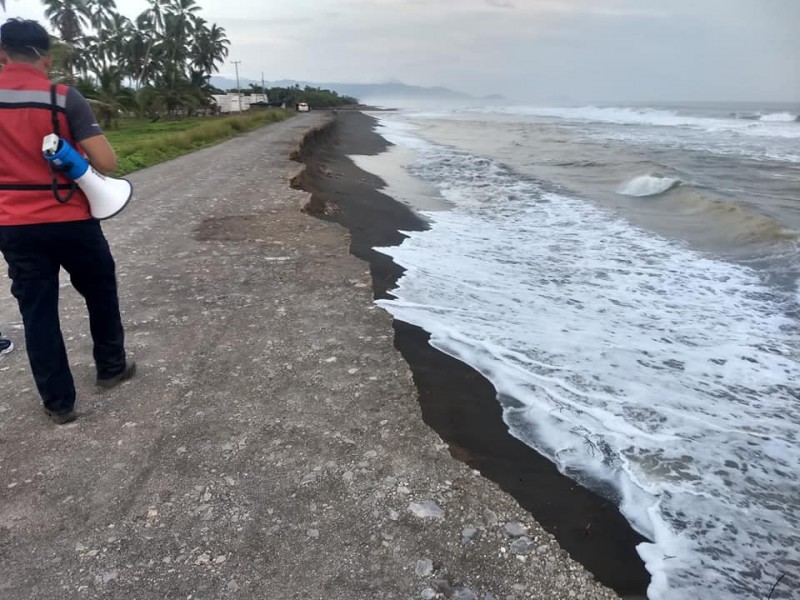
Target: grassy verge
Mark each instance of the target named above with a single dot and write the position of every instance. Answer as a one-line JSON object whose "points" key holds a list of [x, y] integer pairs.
{"points": [[140, 143]]}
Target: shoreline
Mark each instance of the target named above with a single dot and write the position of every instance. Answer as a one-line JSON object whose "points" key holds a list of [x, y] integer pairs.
{"points": [[456, 401], [271, 444]]}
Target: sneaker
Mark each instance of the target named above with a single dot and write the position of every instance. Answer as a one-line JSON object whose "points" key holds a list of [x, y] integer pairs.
{"points": [[128, 372], [5, 345], [62, 418]]}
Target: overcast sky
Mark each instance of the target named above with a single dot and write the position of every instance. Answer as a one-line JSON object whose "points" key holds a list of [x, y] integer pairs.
{"points": [[543, 50]]}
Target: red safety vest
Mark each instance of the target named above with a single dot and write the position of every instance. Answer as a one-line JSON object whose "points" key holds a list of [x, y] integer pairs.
{"points": [[26, 117]]}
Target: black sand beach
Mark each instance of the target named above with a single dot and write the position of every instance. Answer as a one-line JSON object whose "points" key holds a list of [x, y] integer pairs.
{"points": [[456, 401]]}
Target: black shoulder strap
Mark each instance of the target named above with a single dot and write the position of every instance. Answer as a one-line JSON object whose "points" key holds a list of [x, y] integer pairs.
{"points": [[57, 130]]}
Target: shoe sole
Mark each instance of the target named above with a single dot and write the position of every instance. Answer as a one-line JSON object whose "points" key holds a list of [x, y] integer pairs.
{"points": [[7, 350]]}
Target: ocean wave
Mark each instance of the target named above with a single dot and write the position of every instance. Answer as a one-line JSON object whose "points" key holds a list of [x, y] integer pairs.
{"points": [[634, 363], [648, 185], [737, 223], [781, 117], [779, 125], [733, 221]]}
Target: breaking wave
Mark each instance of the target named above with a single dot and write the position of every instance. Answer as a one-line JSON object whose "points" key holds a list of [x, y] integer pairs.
{"points": [[782, 117], [648, 185]]}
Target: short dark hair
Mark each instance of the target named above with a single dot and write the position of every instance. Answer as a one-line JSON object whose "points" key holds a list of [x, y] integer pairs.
{"points": [[23, 37]]}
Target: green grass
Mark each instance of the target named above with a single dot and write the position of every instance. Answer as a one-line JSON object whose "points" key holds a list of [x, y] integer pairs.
{"points": [[140, 143]]}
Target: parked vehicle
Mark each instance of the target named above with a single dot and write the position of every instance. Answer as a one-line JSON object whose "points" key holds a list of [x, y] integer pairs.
{"points": [[303, 107]]}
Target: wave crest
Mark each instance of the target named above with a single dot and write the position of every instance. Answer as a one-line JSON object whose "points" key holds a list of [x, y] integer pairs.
{"points": [[648, 185], [781, 117]]}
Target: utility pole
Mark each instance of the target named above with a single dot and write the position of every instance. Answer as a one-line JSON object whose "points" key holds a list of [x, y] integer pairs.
{"points": [[236, 63], [264, 87]]}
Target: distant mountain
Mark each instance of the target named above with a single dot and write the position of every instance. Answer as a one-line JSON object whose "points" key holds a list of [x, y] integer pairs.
{"points": [[367, 92]]}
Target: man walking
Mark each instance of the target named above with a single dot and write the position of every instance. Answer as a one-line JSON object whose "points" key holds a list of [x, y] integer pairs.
{"points": [[45, 223]]}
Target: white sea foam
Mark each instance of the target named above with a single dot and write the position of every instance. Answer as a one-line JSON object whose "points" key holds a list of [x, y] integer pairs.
{"points": [[782, 117], [648, 185], [660, 377]]}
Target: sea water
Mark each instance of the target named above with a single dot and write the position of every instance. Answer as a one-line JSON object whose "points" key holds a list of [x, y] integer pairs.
{"points": [[627, 278]]}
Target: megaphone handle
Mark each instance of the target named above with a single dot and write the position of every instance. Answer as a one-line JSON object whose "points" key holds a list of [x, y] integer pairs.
{"points": [[56, 188]]}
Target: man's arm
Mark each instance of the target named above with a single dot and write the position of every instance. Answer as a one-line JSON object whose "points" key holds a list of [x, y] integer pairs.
{"points": [[101, 155], [85, 131]]}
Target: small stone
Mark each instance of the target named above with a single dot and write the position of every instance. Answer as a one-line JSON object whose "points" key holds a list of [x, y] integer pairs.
{"points": [[521, 545], [490, 518], [79, 547], [427, 509], [489, 596], [424, 567], [463, 594], [348, 476], [515, 529], [428, 594], [393, 515], [110, 575], [313, 533], [220, 559], [232, 586], [203, 559], [469, 534]]}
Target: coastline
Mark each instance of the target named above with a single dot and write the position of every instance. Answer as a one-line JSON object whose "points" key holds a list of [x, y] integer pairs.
{"points": [[271, 444], [456, 401]]}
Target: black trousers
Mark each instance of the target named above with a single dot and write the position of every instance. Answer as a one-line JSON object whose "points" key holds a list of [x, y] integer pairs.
{"points": [[35, 255]]}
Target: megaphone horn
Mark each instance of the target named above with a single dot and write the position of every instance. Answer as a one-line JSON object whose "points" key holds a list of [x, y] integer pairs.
{"points": [[107, 196]]}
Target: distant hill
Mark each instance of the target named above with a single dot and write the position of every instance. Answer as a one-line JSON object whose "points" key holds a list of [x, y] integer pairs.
{"points": [[368, 92]]}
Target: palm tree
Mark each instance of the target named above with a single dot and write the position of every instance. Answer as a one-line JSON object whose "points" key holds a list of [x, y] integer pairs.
{"points": [[68, 17], [168, 53], [210, 47], [110, 97]]}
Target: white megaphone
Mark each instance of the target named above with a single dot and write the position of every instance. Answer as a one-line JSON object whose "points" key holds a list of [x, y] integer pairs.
{"points": [[107, 196]]}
